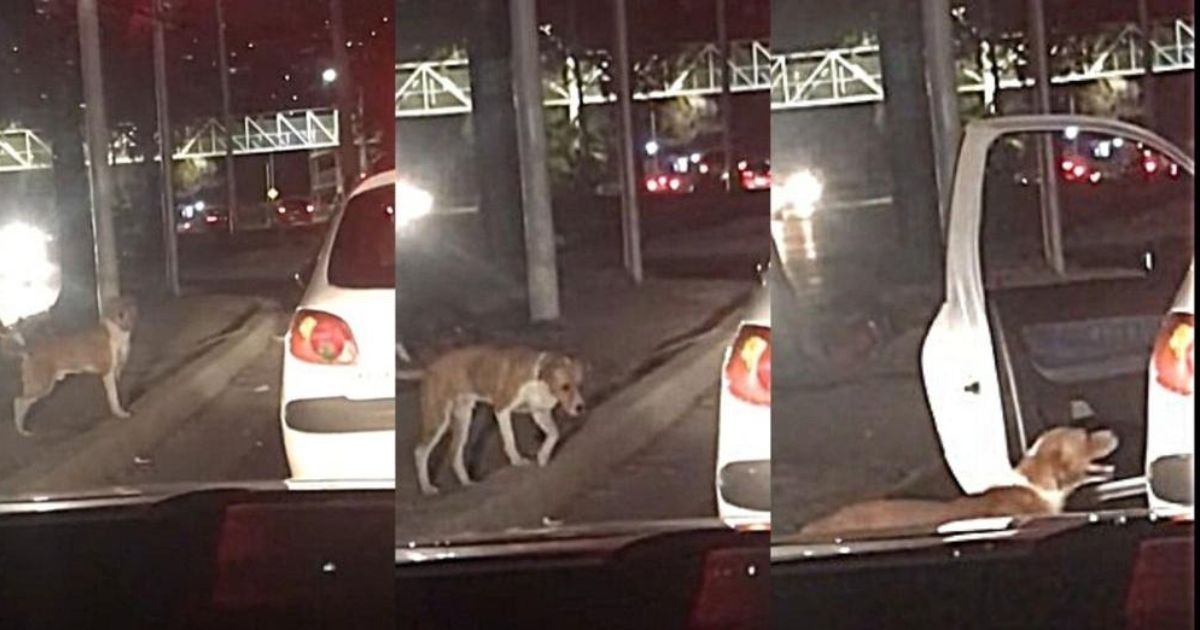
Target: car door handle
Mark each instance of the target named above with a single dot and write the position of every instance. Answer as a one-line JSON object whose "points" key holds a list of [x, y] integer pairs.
{"points": [[973, 388]]}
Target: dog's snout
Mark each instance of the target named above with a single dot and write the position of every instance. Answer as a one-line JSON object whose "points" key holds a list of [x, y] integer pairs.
{"points": [[578, 408]]}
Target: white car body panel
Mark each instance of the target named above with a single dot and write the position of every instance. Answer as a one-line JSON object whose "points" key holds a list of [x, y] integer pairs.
{"points": [[743, 429], [1170, 417], [958, 358], [371, 316]]}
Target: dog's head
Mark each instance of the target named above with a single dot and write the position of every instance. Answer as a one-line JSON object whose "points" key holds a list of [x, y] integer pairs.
{"points": [[1065, 458], [564, 375], [123, 312]]}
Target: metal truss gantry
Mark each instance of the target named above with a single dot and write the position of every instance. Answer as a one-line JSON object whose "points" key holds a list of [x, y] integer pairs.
{"points": [[807, 79], [293, 130]]}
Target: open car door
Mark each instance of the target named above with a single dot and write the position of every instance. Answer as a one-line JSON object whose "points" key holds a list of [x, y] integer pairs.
{"points": [[968, 375]]}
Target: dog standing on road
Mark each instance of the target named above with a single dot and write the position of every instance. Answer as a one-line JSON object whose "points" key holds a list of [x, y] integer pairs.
{"points": [[1062, 460], [102, 350], [511, 380]]}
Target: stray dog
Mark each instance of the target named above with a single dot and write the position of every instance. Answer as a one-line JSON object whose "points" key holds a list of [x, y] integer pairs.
{"points": [[102, 350], [511, 380], [1062, 460]]}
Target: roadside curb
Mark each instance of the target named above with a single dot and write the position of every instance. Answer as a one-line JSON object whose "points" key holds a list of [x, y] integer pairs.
{"points": [[613, 431], [98, 455]]}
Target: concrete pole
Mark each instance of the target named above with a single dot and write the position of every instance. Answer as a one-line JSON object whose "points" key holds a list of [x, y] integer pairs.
{"points": [[630, 218], [1052, 245], [227, 117], [1148, 87], [726, 101], [942, 78], [108, 283], [541, 264], [348, 156], [165, 151]]}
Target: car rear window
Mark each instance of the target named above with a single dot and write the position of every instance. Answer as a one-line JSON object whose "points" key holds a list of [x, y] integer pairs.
{"points": [[363, 252]]}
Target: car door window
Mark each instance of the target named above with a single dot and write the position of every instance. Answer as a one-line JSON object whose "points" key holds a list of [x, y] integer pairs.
{"points": [[1125, 210]]}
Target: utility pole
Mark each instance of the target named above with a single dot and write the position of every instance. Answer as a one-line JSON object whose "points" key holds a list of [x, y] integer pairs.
{"points": [[345, 95], [1052, 245], [541, 265], [726, 100], [1148, 87], [165, 150], [941, 77], [227, 116], [631, 232], [108, 284]]}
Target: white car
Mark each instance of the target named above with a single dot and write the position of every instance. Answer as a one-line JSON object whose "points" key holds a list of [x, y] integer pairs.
{"points": [[1171, 407], [743, 471], [338, 397], [986, 369]]}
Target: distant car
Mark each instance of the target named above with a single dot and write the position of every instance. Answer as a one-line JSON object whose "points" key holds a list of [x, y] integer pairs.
{"points": [[754, 175], [294, 212], [1171, 406], [199, 217], [670, 183], [743, 466], [338, 395]]}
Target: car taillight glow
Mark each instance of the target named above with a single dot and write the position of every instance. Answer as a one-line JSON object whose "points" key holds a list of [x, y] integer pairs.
{"points": [[675, 183], [748, 369], [1173, 360], [319, 337], [652, 185], [210, 219]]}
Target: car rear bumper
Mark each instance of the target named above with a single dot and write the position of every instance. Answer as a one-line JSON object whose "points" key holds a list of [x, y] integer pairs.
{"points": [[340, 439], [340, 415], [744, 489]]}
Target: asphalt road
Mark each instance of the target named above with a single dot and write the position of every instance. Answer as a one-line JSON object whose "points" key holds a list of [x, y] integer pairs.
{"points": [[235, 437]]}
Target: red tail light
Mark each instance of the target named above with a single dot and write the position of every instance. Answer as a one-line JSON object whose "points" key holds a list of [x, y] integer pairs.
{"points": [[1173, 360], [749, 366], [319, 337]]}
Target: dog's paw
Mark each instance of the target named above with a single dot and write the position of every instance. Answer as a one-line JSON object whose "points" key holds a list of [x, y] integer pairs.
{"points": [[24, 432], [543, 459], [521, 462], [431, 491], [121, 413]]}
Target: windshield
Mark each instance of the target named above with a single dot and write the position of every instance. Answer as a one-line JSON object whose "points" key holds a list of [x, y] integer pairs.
{"points": [[949, 357], [509, 297], [363, 255], [262, 107]]}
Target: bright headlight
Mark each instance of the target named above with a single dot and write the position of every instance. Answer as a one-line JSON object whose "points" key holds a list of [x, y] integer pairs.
{"points": [[799, 194], [412, 202], [29, 280]]}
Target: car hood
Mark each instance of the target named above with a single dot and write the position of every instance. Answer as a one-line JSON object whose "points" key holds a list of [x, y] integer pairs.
{"points": [[142, 494], [555, 539]]}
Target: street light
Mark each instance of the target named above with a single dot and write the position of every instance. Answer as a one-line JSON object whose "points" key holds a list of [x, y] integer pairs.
{"points": [[329, 75], [651, 148]]}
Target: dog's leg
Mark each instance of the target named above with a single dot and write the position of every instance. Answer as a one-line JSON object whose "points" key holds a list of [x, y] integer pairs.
{"points": [[504, 419], [422, 450], [545, 421], [20, 409], [459, 432], [114, 401]]}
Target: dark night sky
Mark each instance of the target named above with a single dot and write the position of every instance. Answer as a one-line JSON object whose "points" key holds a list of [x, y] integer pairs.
{"points": [[425, 24], [277, 50]]}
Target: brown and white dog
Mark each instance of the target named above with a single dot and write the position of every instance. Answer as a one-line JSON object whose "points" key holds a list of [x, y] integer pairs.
{"points": [[511, 380], [102, 350], [1061, 460]]}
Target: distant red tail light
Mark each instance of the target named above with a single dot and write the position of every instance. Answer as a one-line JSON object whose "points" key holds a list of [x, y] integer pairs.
{"points": [[1173, 358], [319, 337], [749, 366]]}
